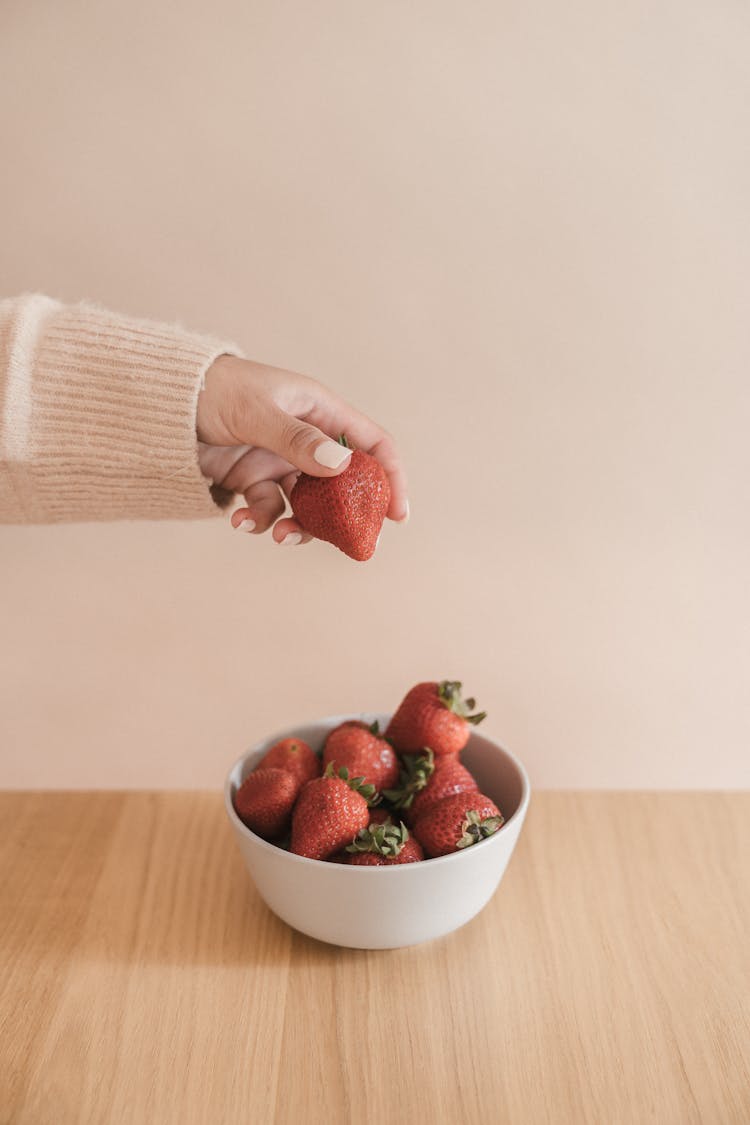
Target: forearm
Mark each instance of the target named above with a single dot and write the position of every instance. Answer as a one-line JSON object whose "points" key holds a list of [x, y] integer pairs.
{"points": [[98, 415]]}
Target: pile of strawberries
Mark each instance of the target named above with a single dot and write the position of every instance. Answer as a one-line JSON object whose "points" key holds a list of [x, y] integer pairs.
{"points": [[372, 799]]}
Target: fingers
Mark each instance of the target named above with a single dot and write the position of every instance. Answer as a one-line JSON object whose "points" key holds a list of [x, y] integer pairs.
{"points": [[287, 421], [299, 443], [385, 452], [251, 467], [296, 418], [336, 416], [288, 533], [255, 474], [264, 505], [288, 482]]}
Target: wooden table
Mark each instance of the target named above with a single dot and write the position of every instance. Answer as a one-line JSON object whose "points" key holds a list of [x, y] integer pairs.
{"points": [[143, 981]]}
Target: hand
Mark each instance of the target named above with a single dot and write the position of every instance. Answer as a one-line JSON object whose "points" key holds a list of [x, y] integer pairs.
{"points": [[258, 427]]}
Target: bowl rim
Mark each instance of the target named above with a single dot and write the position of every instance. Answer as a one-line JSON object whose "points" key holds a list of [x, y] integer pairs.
{"points": [[352, 869]]}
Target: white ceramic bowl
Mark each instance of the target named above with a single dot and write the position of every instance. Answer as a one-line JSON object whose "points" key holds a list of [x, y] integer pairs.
{"points": [[385, 907]]}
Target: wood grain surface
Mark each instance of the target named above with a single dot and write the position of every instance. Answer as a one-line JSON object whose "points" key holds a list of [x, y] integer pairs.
{"points": [[142, 979]]}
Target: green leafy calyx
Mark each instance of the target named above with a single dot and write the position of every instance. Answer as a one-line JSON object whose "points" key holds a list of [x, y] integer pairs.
{"points": [[474, 828], [383, 839], [358, 784], [449, 693], [414, 776]]}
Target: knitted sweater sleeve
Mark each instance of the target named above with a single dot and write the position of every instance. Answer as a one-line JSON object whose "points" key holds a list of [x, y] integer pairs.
{"points": [[97, 415]]}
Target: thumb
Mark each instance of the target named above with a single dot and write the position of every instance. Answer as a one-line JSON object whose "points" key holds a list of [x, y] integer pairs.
{"points": [[302, 445]]}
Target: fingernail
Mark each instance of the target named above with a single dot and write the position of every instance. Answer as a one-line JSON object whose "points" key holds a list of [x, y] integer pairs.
{"points": [[246, 525], [405, 517], [331, 454], [291, 540]]}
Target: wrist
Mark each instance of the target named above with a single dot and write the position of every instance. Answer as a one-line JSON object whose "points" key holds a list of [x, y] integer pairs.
{"points": [[217, 393]]}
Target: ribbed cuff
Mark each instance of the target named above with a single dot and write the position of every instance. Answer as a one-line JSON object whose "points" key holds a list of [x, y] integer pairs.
{"points": [[112, 433]]}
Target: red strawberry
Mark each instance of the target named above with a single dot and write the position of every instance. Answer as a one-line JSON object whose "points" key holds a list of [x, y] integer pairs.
{"points": [[449, 777], [339, 857], [434, 715], [414, 776], [412, 853], [377, 816], [329, 813], [295, 756], [380, 816], [360, 748], [381, 845], [347, 510], [457, 822], [265, 800]]}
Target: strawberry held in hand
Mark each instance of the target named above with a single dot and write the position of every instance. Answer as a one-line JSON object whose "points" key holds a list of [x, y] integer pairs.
{"points": [[347, 510], [433, 715], [363, 751], [329, 813]]}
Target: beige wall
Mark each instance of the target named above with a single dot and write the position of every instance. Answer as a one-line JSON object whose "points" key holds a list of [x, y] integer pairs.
{"points": [[518, 236]]}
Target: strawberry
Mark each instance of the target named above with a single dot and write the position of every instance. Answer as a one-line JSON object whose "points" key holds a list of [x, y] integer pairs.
{"points": [[364, 752], [434, 715], [265, 800], [449, 776], [339, 857], [457, 822], [329, 813], [381, 845], [380, 815], [347, 510], [414, 776], [295, 756]]}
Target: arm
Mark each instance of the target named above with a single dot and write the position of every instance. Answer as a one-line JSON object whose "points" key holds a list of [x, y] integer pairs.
{"points": [[97, 415], [108, 417]]}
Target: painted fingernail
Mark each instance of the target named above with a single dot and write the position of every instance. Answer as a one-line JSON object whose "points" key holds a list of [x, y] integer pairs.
{"points": [[331, 454], [246, 525], [291, 540]]}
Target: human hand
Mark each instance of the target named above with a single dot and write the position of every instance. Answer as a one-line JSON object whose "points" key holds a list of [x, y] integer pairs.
{"points": [[259, 426]]}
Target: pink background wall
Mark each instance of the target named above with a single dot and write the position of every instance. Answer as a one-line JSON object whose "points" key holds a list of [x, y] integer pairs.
{"points": [[518, 236]]}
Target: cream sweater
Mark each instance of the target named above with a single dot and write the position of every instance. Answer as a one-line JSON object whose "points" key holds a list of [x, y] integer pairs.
{"points": [[97, 415]]}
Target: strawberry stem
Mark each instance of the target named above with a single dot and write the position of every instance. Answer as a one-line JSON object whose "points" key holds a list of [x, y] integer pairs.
{"points": [[383, 839], [474, 828], [414, 777], [449, 693], [365, 788]]}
